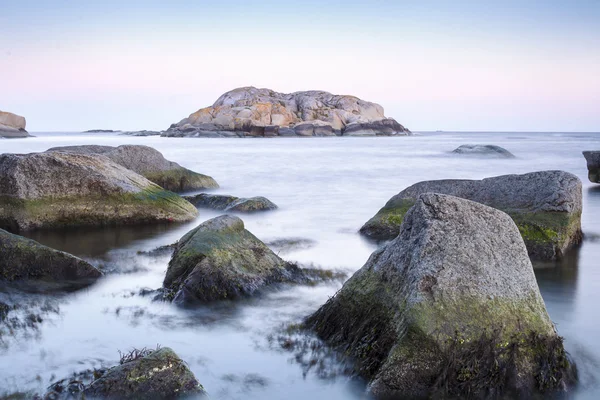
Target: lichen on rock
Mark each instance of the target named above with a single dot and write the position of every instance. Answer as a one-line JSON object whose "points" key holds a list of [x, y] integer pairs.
{"points": [[149, 163], [79, 190], [449, 303], [545, 205]]}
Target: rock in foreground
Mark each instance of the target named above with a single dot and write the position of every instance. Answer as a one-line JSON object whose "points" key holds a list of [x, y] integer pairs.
{"points": [[483, 150], [450, 307], [231, 203], [546, 206], [149, 163], [593, 165], [79, 190], [221, 260], [25, 259], [12, 125], [158, 374], [252, 112]]}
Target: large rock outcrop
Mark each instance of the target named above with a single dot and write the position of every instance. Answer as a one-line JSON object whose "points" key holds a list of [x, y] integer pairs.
{"points": [[593, 165], [221, 260], [545, 205], [231, 203], [61, 189], [252, 112], [144, 374], [450, 307], [151, 164], [12, 125], [25, 259]]}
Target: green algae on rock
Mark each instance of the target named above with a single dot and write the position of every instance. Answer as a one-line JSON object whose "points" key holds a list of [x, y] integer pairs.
{"points": [[25, 259], [221, 260], [231, 203], [80, 190], [149, 163], [447, 305], [545, 205], [158, 374]]}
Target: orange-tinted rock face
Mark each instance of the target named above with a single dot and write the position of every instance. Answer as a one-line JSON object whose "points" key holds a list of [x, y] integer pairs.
{"points": [[248, 108], [12, 120]]}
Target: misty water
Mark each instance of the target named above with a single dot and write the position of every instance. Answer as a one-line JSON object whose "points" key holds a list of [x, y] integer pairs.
{"points": [[326, 189]]}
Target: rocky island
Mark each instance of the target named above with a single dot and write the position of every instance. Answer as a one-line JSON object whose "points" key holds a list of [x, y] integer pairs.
{"points": [[12, 125], [253, 112]]}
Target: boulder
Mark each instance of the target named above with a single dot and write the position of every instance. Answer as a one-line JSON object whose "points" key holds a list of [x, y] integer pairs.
{"points": [[545, 205], [450, 308], [12, 125], [221, 260], [593, 165], [483, 150], [78, 190], [149, 163], [25, 259], [253, 112], [231, 203], [158, 374]]}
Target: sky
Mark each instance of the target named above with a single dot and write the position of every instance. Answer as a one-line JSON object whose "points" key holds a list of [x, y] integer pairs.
{"points": [[433, 65]]}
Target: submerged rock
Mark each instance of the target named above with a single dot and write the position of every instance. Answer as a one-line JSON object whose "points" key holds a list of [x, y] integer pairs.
{"points": [[546, 206], [220, 260], [450, 307], [252, 112], [149, 163], [25, 259], [231, 203], [483, 150], [12, 125], [593, 165], [158, 374], [79, 190]]}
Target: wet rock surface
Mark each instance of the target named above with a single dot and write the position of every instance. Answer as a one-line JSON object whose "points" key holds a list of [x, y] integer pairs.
{"points": [[450, 307], [143, 374], [221, 260], [545, 205], [593, 165], [231, 203], [483, 150], [80, 190], [25, 259], [149, 163]]}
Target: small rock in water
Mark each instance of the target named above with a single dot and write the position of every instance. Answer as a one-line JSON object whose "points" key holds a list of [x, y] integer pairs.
{"points": [[144, 374], [231, 203], [483, 150]]}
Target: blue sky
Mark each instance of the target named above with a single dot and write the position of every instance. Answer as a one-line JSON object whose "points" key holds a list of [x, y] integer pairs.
{"points": [[461, 65]]}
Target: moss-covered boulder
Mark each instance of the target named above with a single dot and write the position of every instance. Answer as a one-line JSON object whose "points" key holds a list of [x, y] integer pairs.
{"points": [[545, 205], [25, 259], [231, 203], [60, 189], [449, 307], [221, 260], [151, 164], [158, 374], [593, 165]]}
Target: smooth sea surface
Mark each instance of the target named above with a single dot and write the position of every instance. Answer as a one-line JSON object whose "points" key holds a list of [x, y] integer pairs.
{"points": [[326, 188]]}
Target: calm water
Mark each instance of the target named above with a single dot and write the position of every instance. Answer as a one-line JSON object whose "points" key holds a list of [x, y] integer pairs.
{"points": [[326, 189]]}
